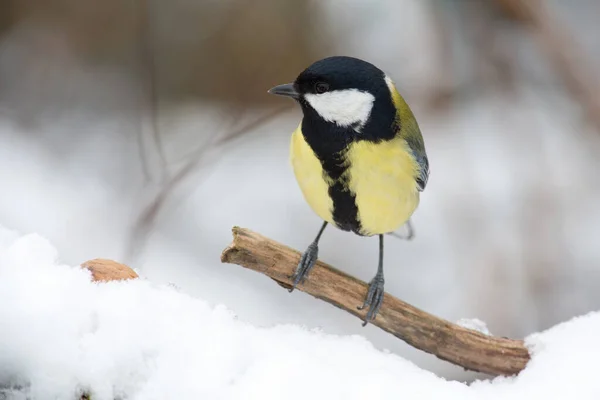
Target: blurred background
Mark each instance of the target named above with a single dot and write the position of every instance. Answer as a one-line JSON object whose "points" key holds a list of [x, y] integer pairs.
{"points": [[142, 131]]}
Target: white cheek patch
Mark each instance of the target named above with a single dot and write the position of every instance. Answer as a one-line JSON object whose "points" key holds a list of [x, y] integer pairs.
{"points": [[343, 107]]}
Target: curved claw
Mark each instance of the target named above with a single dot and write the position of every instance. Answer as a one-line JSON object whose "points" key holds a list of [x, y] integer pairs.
{"points": [[307, 261], [373, 300]]}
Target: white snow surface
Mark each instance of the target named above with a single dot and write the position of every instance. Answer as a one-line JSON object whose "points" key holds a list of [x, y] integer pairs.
{"points": [[475, 324], [61, 333]]}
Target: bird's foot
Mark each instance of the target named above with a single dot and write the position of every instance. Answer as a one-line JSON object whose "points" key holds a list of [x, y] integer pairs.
{"points": [[374, 298], [307, 261]]}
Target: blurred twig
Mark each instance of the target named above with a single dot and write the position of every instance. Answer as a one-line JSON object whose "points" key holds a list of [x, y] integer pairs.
{"points": [[149, 83], [569, 61], [467, 348], [488, 62], [144, 224], [485, 23]]}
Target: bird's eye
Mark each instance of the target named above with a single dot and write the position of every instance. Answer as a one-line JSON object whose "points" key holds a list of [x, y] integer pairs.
{"points": [[321, 87]]}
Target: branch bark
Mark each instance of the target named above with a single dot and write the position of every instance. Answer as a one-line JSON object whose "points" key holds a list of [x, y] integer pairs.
{"points": [[104, 270], [461, 346]]}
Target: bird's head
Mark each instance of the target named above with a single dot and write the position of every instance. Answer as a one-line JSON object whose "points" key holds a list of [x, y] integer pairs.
{"points": [[344, 91]]}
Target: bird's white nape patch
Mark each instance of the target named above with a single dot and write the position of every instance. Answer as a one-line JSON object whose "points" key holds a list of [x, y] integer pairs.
{"points": [[390, 83], [343, 107]]}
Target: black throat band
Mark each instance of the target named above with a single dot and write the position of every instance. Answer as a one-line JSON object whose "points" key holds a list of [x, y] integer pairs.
{"points": [[330, 144]]}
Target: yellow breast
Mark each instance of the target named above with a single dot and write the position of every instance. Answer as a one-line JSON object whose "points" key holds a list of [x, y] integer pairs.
{"points": [[311, 179], [382, 176]]}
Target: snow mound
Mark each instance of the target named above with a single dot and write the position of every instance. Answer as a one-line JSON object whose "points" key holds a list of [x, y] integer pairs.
{"points": [[475, 324], [61, 334]]}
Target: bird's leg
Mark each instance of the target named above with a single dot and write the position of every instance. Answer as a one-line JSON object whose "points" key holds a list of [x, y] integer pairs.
{"points": [[308, 259], [374, 296]]}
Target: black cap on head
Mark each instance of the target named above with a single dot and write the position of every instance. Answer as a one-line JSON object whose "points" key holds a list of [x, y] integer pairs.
{"points": [[343, 97], [339, 73]]}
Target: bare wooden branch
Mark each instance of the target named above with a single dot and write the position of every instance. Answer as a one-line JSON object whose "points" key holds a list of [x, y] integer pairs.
{"points": [[461, 346]]}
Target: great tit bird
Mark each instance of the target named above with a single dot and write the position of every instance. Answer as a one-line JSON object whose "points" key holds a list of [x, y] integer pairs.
{"points": [[358, 156]]}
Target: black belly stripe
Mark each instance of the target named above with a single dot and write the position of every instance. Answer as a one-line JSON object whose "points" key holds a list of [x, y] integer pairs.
{"points": [[330, 143], [345, 211]]}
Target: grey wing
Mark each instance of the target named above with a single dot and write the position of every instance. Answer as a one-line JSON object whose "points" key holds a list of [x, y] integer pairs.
{"points": [[414, 139], [424, 173]]}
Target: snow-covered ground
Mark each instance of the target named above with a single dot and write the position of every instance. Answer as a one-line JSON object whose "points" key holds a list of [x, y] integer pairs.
{"points": [[62, 334]]}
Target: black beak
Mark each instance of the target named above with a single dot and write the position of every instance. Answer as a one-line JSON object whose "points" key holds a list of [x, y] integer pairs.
{"points": [[285, 90]]}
